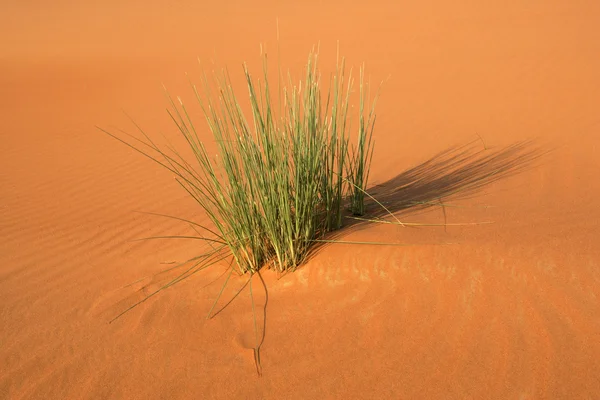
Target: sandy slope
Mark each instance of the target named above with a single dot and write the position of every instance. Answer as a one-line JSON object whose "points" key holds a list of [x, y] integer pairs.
{"points": [[508, 310]]}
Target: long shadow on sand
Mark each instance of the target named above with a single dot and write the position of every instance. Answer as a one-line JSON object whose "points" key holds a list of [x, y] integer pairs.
{"points": [[459, 172]]}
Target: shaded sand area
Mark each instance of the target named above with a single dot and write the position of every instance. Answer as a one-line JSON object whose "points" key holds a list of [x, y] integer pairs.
{"points": [[508, 310]]}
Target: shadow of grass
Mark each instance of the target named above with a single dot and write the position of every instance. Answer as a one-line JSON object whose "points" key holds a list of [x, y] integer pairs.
{"points": [[457, 173]]}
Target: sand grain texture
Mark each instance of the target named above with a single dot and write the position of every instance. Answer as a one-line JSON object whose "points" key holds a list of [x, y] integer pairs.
{"points": [[509, 310]]}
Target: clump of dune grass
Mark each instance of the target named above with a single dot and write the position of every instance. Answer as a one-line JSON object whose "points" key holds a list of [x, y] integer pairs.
{"points": [[280, 182]]}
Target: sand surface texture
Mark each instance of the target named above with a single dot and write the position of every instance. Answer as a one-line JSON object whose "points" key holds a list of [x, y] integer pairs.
{"points": [[507, 310]]}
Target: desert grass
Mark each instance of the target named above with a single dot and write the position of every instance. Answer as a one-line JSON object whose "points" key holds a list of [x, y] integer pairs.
{"points": [[283, 177]]}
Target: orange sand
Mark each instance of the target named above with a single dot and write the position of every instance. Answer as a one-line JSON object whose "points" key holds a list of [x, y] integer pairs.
{"points": [[510, 310]]}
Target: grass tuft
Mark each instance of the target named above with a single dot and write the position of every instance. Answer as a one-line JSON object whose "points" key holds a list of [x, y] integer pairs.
{"points": [[283, 180]]}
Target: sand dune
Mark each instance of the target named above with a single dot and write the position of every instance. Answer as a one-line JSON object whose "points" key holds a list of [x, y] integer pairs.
{"points": [[507, 310]]}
